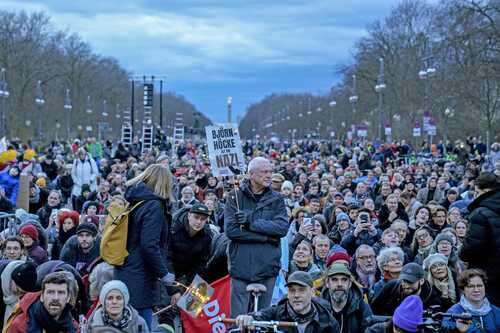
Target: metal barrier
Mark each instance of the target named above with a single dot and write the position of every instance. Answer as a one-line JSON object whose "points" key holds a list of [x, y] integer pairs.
{"points": [[8, 224]]}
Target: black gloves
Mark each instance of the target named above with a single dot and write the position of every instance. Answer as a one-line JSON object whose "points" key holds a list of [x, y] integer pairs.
{"points": [[241, 219]]}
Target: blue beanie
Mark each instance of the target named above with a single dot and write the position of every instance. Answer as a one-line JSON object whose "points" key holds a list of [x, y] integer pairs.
{"points": [[409, 314], [342, 216], [114, 285]]}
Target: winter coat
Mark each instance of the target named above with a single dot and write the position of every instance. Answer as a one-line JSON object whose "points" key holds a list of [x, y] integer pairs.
{"points": [[481, 247], [6, 206], [21, 318], [188, 255], [10, 185], [136, 324], [424, 193], [351, 242], [489, 322], [85, 172], [44, 214], [148, 232], [37, 254], [323, 323], [254, 252], [74, 256], [353, 318], [391, 295]]}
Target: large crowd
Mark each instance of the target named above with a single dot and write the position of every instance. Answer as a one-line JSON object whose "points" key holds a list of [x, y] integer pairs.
{"points": [[334, 236]]}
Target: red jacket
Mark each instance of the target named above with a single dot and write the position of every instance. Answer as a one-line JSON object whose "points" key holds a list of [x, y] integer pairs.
{"points": [[18, 320]]}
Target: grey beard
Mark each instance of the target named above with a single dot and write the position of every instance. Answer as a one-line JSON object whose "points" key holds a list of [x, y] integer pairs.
{"points": [[338, 297]]}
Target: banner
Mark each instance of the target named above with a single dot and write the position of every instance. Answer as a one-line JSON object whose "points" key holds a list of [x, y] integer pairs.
{"points": [[224, 150], [219, 305]]}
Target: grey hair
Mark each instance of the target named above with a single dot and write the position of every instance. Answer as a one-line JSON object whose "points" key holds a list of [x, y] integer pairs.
{"points": [[256, 163], [361, 248], [385, 254]]}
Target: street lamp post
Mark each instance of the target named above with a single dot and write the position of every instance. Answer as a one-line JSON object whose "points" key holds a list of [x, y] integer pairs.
{"points": [[40, 102], [353, 99], [68, 107], [379, 88], [332, 104], [229, 109], [427, 72], [4, 94], [448, 113]]}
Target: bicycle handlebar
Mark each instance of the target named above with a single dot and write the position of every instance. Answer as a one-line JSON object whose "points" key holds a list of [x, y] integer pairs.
{"points": [[261, 323]]}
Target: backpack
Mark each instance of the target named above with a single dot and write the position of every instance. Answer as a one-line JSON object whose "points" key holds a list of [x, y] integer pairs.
{"points": [[113, 247]]}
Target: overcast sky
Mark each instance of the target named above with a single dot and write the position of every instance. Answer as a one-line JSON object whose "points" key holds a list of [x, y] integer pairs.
{"points": [[211, 49]]}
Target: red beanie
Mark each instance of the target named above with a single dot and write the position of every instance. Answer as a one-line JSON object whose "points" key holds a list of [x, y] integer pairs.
{"points": [[337, 256], [29, 230]]}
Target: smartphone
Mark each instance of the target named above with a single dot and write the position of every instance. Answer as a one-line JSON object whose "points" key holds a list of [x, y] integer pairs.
{"points": [[307, 221], [364, 218]]}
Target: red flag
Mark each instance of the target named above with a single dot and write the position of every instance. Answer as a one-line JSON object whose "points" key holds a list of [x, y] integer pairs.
{"points": [[218, 306]]}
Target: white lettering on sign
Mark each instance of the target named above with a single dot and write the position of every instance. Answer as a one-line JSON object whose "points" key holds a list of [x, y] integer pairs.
{"points": [[211, 310]]}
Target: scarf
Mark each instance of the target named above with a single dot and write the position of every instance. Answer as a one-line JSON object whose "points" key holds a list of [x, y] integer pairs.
{"points": [[43, 320], [10, 299], [446, 287], [302, 318], [366, 279], [65, 235], [120, 323], [481, 311]]}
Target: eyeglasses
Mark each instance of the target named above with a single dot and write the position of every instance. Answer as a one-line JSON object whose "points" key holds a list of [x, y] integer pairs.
{"points": [[363, 258], [475, 286], [422, 236]]}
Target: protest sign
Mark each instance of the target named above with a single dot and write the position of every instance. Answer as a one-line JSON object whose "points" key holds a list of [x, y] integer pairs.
{"points": [[224, 150]]}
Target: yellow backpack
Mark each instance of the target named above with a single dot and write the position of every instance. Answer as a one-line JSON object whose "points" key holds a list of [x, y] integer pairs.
{"points": [[113, 248]]}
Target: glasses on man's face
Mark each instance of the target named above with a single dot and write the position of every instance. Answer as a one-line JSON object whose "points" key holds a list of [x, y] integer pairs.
{"points": [[365, 258]]}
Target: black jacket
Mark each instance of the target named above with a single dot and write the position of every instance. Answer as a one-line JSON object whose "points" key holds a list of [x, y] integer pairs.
{"points": [[254, 252], [323, 323], [74, 256], [481, 248], [188, 255], [148, 232], [391, 295], [44, 214], [383, 217], [353, 318]]}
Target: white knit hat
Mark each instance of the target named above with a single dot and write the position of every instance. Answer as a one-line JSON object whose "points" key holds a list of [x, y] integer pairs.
{"points": [[114, 285]]}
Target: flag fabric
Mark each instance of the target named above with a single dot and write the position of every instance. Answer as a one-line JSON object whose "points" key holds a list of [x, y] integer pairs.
{"points": [[219, 305]]}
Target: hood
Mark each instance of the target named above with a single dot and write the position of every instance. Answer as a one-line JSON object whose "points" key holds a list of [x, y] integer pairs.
{"points": [[490, 200], [140, 192]]}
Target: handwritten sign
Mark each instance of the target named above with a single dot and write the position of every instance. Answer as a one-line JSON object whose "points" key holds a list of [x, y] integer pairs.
{"points": [[224, 150]]}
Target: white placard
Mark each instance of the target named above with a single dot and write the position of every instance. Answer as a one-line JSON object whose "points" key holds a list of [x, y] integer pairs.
{"points": [[224, 149], [431, 130], [416, 132], [388, 131]]}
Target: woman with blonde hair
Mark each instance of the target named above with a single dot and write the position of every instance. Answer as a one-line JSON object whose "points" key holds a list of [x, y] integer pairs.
{"points": [[148, 230]]}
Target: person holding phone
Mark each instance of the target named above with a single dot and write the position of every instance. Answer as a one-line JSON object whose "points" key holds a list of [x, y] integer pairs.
{"points": [[364, 233]]}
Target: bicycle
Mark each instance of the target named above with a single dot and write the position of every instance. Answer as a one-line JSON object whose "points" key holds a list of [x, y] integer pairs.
{"points": [[261, 325]]}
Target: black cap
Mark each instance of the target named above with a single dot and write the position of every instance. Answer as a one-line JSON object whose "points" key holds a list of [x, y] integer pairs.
{"points": [[87, 227], [300, 278], [25, 276], [200, 209], [411, 272]]}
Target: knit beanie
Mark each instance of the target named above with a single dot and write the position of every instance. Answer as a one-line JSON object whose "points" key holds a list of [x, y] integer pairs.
{"points": [[87, 227], [443, 237], [25, 276], [114, 285], [342, 216], [409, 314], [434, 259], [337, 256], [29, 230], [287, 184]]}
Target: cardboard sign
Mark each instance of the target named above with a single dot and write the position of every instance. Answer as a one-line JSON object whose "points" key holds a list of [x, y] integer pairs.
{"points": [[224, 150]]}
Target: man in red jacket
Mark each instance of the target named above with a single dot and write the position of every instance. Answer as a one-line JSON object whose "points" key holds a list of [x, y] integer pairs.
{"points": [[48, 311]]}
